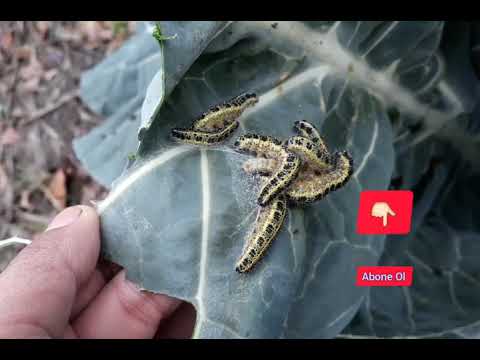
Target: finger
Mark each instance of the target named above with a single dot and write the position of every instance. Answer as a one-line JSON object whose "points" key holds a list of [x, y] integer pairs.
{"points": [[87, 293], [180, 325], [39, 286], [121, 310], [104, 272], [385, 220]]}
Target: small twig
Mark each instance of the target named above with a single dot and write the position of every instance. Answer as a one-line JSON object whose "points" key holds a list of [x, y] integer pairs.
{"points": [[33, 219], [13, 86], [48, 109], [14, 241], [12, 89]]}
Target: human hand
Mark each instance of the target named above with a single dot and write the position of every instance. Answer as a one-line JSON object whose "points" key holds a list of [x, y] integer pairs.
{"points": [[54, 289]]}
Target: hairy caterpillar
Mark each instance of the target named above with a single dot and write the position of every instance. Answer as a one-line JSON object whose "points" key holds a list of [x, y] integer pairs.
{"points": [[309, 131], [309, 187], [197, 137], [217, 124], [308, 150], [268, 223], [269, 147], [220, 116], [261, 145]]}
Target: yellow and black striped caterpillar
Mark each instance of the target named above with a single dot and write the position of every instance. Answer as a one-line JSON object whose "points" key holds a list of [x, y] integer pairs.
{"points": [[309, 151], [196, 137], [267, 225], [269, 147], [220, 116], [217, 124], [324, 173], [310, 186], [309, 131]]}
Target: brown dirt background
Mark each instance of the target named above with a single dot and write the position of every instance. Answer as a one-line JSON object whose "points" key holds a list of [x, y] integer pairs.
{"points": [[40, 113]]}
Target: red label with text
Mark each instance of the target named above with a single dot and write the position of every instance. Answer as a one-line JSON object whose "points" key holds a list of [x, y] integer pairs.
{"points": [[384, 275]]}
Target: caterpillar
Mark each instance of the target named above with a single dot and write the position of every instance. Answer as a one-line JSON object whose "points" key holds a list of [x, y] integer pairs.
{"points": [[197, 137], [308, 150], [220, 116], [268, 223], [309, 131], [309, 187], [261, 145], [269, 147]]}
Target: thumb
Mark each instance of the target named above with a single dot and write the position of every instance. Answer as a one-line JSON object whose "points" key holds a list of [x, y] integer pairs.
{"points": [[39, 286]]}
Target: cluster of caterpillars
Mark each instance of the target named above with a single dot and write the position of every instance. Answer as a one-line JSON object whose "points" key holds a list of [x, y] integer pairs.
{"points": [[297, 171]]}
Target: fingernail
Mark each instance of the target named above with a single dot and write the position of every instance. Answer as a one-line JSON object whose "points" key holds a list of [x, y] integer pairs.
{"points": [[65, 218]]}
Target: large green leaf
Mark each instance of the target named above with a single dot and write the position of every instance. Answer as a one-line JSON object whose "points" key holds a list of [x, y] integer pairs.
{"points": [[177, 217]]}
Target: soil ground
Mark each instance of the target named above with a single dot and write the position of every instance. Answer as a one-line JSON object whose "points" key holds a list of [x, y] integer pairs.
{"points": [[40, 113]]}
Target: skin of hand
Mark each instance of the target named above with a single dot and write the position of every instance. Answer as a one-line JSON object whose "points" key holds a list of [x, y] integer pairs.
{"points": [[382, 209], [54, 288]]}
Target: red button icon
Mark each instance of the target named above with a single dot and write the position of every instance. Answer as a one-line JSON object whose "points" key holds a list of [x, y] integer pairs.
{"points": [[385, 212]]}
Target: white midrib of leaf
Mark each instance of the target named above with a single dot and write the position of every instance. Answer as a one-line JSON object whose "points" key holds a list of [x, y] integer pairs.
{"points": [[202, 277], [139, 173], [326, 48]]}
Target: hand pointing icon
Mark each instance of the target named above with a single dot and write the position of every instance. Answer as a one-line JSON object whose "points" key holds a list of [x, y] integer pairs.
{"points": [[382, 209]]}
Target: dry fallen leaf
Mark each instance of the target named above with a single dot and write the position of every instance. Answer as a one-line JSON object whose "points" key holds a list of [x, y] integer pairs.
{"points": [[57, 189], [23, 53], [50, 74], [33, 69], [25, 203], [9, 137], [94, 33], [29, 86], [17, 112], [68, 34], [53, 58], [6, 40], [3, 179]]}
